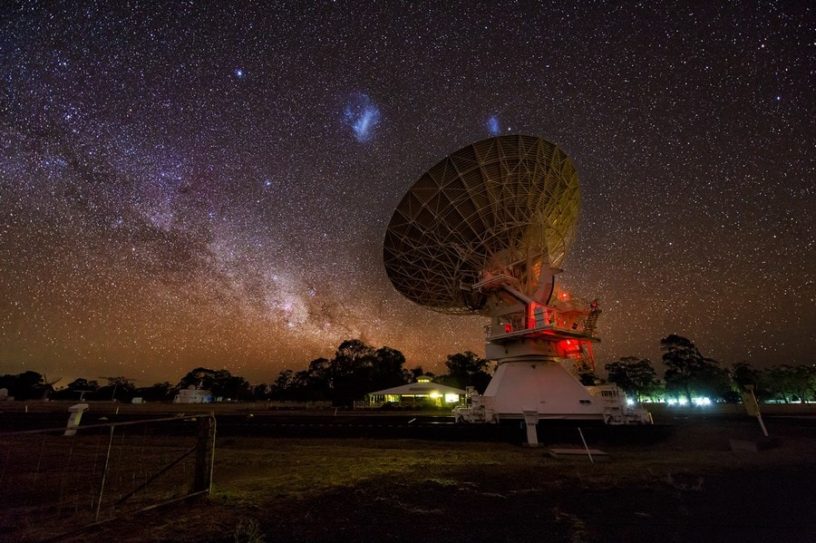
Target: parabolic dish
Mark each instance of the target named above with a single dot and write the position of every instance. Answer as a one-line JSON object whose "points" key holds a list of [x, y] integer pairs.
{"points": [[506, 205]]}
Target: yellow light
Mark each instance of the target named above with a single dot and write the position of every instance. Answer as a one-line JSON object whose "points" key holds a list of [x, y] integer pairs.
{"points": [[435, 394]]}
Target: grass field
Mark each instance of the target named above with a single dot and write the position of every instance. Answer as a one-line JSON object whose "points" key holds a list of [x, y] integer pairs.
{"points": [[689, 486]]}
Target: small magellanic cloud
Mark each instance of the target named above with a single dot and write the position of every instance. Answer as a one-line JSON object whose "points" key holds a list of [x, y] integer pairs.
{"points": [[493, 127], [362, 115]]}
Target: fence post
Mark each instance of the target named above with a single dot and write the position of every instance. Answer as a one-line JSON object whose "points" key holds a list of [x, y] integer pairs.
{"points": [[205, 449], [104, 475]]}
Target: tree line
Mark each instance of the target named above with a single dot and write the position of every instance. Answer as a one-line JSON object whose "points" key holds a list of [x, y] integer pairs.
{"points": [[689, 374], [355, 370], [358, 368]]}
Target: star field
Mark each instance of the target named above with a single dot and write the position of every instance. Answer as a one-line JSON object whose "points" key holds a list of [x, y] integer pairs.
{"points": [[191, 185]]}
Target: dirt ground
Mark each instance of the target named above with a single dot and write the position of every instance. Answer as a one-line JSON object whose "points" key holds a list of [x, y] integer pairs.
{"points": [[688, 486]]}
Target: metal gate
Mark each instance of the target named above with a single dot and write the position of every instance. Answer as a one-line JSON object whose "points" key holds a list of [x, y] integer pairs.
{"points": [[52, 484]]}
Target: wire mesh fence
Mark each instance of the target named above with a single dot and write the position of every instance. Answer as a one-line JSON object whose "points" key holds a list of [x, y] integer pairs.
{"points": [[52, 484]]}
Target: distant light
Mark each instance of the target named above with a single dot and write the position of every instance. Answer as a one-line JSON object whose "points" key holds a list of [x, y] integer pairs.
{"points": [[451, 397], [630, 401], [778, 98], [701, 401], [435, 394], [682, 401], [239, 73]]}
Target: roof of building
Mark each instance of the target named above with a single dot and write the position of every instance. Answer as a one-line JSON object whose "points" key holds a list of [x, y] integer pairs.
{"points": [[420, 388]]}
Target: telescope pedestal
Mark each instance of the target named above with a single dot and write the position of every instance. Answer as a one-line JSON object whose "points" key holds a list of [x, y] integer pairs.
{"points": [[540, 386]]}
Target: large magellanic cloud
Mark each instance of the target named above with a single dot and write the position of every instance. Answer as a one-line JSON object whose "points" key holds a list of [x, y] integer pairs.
{"points": [[362, 115]]}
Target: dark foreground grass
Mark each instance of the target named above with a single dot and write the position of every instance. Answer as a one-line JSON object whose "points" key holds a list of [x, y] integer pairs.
{"points": [[688, 487]]}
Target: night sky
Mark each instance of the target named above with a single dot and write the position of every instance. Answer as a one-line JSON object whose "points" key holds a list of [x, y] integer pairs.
{"points": [[184, 184]]}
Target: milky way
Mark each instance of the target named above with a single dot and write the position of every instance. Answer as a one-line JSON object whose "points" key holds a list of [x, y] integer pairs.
{"points": [[185, 185]]}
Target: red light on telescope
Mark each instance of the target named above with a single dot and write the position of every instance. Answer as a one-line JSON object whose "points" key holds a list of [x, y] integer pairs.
{"points": [[569, 347]]}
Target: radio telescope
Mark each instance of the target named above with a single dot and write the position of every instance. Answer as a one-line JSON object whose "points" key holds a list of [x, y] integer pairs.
{"points": [[483, 232], [506, 205]]}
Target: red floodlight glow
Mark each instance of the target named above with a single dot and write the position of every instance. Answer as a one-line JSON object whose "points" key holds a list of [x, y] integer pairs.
{"points": [[531, 323], [569, 347]]}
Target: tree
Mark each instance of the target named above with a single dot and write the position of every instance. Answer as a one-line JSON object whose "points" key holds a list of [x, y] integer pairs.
{"points": [[118, 388], [158, 392], [688, 371], [807, 373], [387, 369], [28, 385], [791, 383], [261, 392], [744, 375], [467, 369], [221, 383], [804, 381], [315, 382], [232, 387], [635, 376], [355, 370], [351, 371], [77, 389], [282, 388], [415, 373]]}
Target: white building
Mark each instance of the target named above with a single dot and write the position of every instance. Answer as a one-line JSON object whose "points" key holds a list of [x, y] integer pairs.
{"points": [[191, 394], [422, 393]]}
